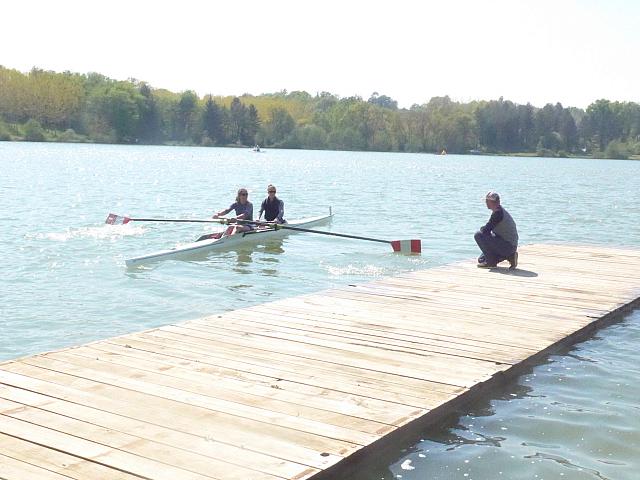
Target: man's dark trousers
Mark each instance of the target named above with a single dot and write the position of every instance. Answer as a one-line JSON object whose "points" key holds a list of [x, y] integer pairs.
{"points": [[494, 248]]}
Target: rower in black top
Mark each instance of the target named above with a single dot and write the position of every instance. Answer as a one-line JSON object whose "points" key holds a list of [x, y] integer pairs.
{"points": [[272, 207]]}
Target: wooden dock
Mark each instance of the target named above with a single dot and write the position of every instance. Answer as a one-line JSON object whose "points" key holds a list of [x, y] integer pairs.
{"points": [[307, 386]]}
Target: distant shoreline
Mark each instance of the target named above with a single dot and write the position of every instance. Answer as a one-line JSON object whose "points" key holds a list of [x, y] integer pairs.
{"points": [[249, 147], [533, 154]]}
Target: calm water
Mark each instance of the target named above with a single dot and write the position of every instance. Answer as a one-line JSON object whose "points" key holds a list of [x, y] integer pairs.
{"points": [[575, 417], [63, 280]]}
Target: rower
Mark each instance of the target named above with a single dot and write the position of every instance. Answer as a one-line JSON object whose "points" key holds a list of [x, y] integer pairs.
{"points": [[272, 207], [243, 208]]}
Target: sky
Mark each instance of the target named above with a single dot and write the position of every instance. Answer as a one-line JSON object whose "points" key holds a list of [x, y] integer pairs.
{"points": [[537, 51]]}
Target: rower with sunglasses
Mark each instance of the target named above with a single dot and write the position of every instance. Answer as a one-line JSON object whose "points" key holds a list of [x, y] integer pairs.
{"points": [[244, 211], [272, 207]]}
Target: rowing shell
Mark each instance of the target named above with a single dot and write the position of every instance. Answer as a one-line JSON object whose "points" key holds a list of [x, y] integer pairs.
{"points": [[227, 241]]}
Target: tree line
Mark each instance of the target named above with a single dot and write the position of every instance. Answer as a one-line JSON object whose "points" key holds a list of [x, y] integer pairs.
{"points": [[71, 107]]}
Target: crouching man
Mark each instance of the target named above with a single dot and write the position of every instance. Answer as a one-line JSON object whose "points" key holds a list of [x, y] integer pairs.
{"points": [[498, 239]]}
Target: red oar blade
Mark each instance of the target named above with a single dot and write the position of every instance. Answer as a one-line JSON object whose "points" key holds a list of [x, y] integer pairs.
{"points": [[407, 246], [113, 219]]}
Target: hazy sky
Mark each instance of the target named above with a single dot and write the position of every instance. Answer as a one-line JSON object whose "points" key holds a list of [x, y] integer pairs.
{"points": [[538, 51]]}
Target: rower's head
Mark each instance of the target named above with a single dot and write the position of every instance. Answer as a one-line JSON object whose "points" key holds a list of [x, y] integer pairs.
{"points": [[492, 199], [271, 190], [242, 196]]}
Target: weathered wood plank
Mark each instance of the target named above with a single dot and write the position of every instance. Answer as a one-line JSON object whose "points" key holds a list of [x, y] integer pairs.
{"points": [[12, 468], [57, 462], [318, 383], [186, 418], [351, 409], [109, 455], [220, 457], [409, 390]]}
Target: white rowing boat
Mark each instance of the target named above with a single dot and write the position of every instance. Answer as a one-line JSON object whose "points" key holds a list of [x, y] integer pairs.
{"points": [[225, 241]]}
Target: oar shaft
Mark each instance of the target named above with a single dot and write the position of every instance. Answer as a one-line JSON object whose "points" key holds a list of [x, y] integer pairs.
{"points": [[189, 220], [114, 219], [180, 220], [343, 235]]}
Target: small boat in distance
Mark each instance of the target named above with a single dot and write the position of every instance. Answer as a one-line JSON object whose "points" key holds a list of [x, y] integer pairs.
{"points": [[223, 240], [256, 148]]}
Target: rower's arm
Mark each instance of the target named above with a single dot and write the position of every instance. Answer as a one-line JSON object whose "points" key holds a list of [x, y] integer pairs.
{"points": [[222, 213], [280, 217]]}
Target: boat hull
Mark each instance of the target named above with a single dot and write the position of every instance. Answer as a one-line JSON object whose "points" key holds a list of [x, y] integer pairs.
{"points": [[226, 242]]}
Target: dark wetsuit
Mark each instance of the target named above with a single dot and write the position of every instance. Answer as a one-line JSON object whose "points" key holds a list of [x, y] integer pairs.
{"points": [[273, 210]]}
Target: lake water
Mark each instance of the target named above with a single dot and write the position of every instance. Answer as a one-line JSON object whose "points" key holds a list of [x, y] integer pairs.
{"points": [[63, 281]]}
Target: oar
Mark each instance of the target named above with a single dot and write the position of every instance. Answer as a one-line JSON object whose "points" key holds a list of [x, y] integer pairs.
{"points": [[403, 246], [113, 219]]}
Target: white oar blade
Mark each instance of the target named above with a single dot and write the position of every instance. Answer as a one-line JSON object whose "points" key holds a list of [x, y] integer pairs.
{"points": [[407, 246], [113, 219]]}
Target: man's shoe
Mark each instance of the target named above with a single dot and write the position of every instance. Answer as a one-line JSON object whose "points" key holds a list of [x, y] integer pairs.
{"points": [[513, 261], [486, 265]]}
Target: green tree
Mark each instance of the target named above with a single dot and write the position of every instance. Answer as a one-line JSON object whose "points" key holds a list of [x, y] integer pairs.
{"points": [[418, 129], [602, 123], [347, 139], [251, 126], [55, 98], [213, 121], [616, 149], [4, 131], [312, 137], [278, 127], [568, 130], [526, 127], [120, 108], [150, 122], [33, 131], [237, 118], [383, 101], [630, 117], [14, 96], [186, 118]]}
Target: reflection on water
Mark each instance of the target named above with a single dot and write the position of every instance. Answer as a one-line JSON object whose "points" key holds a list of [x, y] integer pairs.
{"points": [[274, 246], [243, 260], [261, 253]]}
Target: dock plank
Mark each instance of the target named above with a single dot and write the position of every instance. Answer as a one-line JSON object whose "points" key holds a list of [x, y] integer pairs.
{"points": [[11, 468], [349, 409], [109, 455]]}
